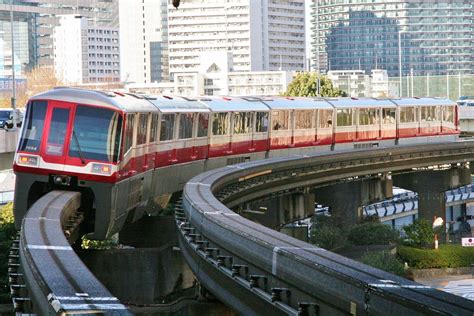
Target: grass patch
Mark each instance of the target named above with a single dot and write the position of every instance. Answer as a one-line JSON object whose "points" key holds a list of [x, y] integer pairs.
{"points": [[447, 256]]}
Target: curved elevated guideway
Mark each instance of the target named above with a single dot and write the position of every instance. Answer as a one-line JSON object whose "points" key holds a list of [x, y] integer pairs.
{"points": [[257, 270], [57, 280]]}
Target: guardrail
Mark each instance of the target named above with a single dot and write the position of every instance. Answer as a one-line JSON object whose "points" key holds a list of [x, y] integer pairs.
{"points": [[256, 270], [56, 280]]}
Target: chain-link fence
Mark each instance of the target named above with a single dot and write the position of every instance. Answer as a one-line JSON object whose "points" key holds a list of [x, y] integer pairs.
{"points": [[444, 86]]}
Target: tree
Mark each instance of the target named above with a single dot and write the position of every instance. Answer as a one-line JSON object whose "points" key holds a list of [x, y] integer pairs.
{"points": [[306, 85], [39, 79]]}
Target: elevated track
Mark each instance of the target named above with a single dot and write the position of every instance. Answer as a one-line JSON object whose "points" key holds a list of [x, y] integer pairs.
{"points": [[50, 278], [257, 270]]}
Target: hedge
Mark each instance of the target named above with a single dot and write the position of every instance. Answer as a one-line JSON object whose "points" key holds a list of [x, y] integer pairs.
{"points": [[384, 260], [372, 233], [447, 256]]}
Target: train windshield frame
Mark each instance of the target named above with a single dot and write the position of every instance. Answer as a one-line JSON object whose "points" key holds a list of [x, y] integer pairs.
{"points": [[96, 134], [32, 133]]}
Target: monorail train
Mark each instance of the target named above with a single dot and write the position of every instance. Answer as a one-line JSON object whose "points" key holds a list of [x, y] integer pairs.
{"points": [[128, 153]]}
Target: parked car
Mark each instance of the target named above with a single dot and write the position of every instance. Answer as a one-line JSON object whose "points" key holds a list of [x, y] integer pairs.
{"points": [[6, 118]]}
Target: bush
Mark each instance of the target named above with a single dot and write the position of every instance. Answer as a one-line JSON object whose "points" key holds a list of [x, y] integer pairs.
{"points": [[107, 244], [326, 232], [419, 234], [447, 256], [372, 233], [384, 260], [7, 235], [328, 237]]}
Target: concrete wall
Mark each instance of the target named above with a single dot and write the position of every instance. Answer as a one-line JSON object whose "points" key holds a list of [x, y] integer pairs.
{"points": [[147, 274]]}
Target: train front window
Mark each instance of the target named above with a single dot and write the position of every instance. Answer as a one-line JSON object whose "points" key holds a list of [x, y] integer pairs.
{"points": [[57, 131], [33, 131], [96, 134]]}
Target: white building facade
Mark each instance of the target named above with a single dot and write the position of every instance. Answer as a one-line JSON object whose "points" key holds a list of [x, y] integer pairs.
{"points": [[357, 84], [263, 35], [84, 53], [144, 40]]}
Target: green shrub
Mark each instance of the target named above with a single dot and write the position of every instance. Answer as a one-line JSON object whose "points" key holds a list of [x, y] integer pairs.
{"points": [[372, 233], [107, 244], [328, 237], [447, 256], [384, 260], [7, 234], [419, 234]]}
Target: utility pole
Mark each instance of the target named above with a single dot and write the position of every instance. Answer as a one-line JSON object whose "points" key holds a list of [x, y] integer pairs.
{"points": [[447, 85], [13, 99], [317, 48], [427, 84], [411, 75]]}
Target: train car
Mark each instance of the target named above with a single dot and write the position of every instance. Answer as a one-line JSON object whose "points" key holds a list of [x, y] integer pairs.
{"points": [[128, 153], [420, 119]]}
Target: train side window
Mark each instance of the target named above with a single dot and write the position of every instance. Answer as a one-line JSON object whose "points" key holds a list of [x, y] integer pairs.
{"points": [[388, 116], [448, 114], [186, 125], [129, 133], [304, 119], [368, 116], [203, 125], [345, 117], [407, 114], [261, 122], [167, 127], [280, 120], [242, 122], [220, 123], [429, 113], [142, 129], [154, 128], [325, 119], [33, 130]]}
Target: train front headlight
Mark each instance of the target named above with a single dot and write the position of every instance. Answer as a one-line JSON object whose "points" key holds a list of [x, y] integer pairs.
{"points": [[102, 169], [27, 160]]}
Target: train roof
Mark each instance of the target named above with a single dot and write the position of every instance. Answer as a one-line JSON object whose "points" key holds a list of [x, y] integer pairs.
{"points": [[117, 101], [422, 101], [360, 103], [234, 104], [177, 104], [281, 103]]}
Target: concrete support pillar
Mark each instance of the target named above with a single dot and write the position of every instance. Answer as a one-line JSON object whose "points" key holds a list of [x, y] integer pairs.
{"points": [[431, 186], [281, 210], [346, 199]]}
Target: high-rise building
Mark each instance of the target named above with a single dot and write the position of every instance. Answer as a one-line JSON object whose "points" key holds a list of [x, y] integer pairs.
{"points": [[144, 40], [435, 37], [34, 21], [261, 35], [85, 53]]}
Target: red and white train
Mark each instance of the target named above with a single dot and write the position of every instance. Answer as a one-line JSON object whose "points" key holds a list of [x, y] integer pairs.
{"points": [[128, 153]]}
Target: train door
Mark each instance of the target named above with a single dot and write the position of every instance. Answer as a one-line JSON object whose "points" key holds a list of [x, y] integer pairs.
{"points": [[241, 131], [324, 127], [166, 148], [57, 128], [184, 145], [202, 136], [141, 143], [219, 143], [260, 135]]}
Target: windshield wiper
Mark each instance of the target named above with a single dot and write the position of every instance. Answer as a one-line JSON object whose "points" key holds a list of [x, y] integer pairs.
{"points": [[81, 155]]}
